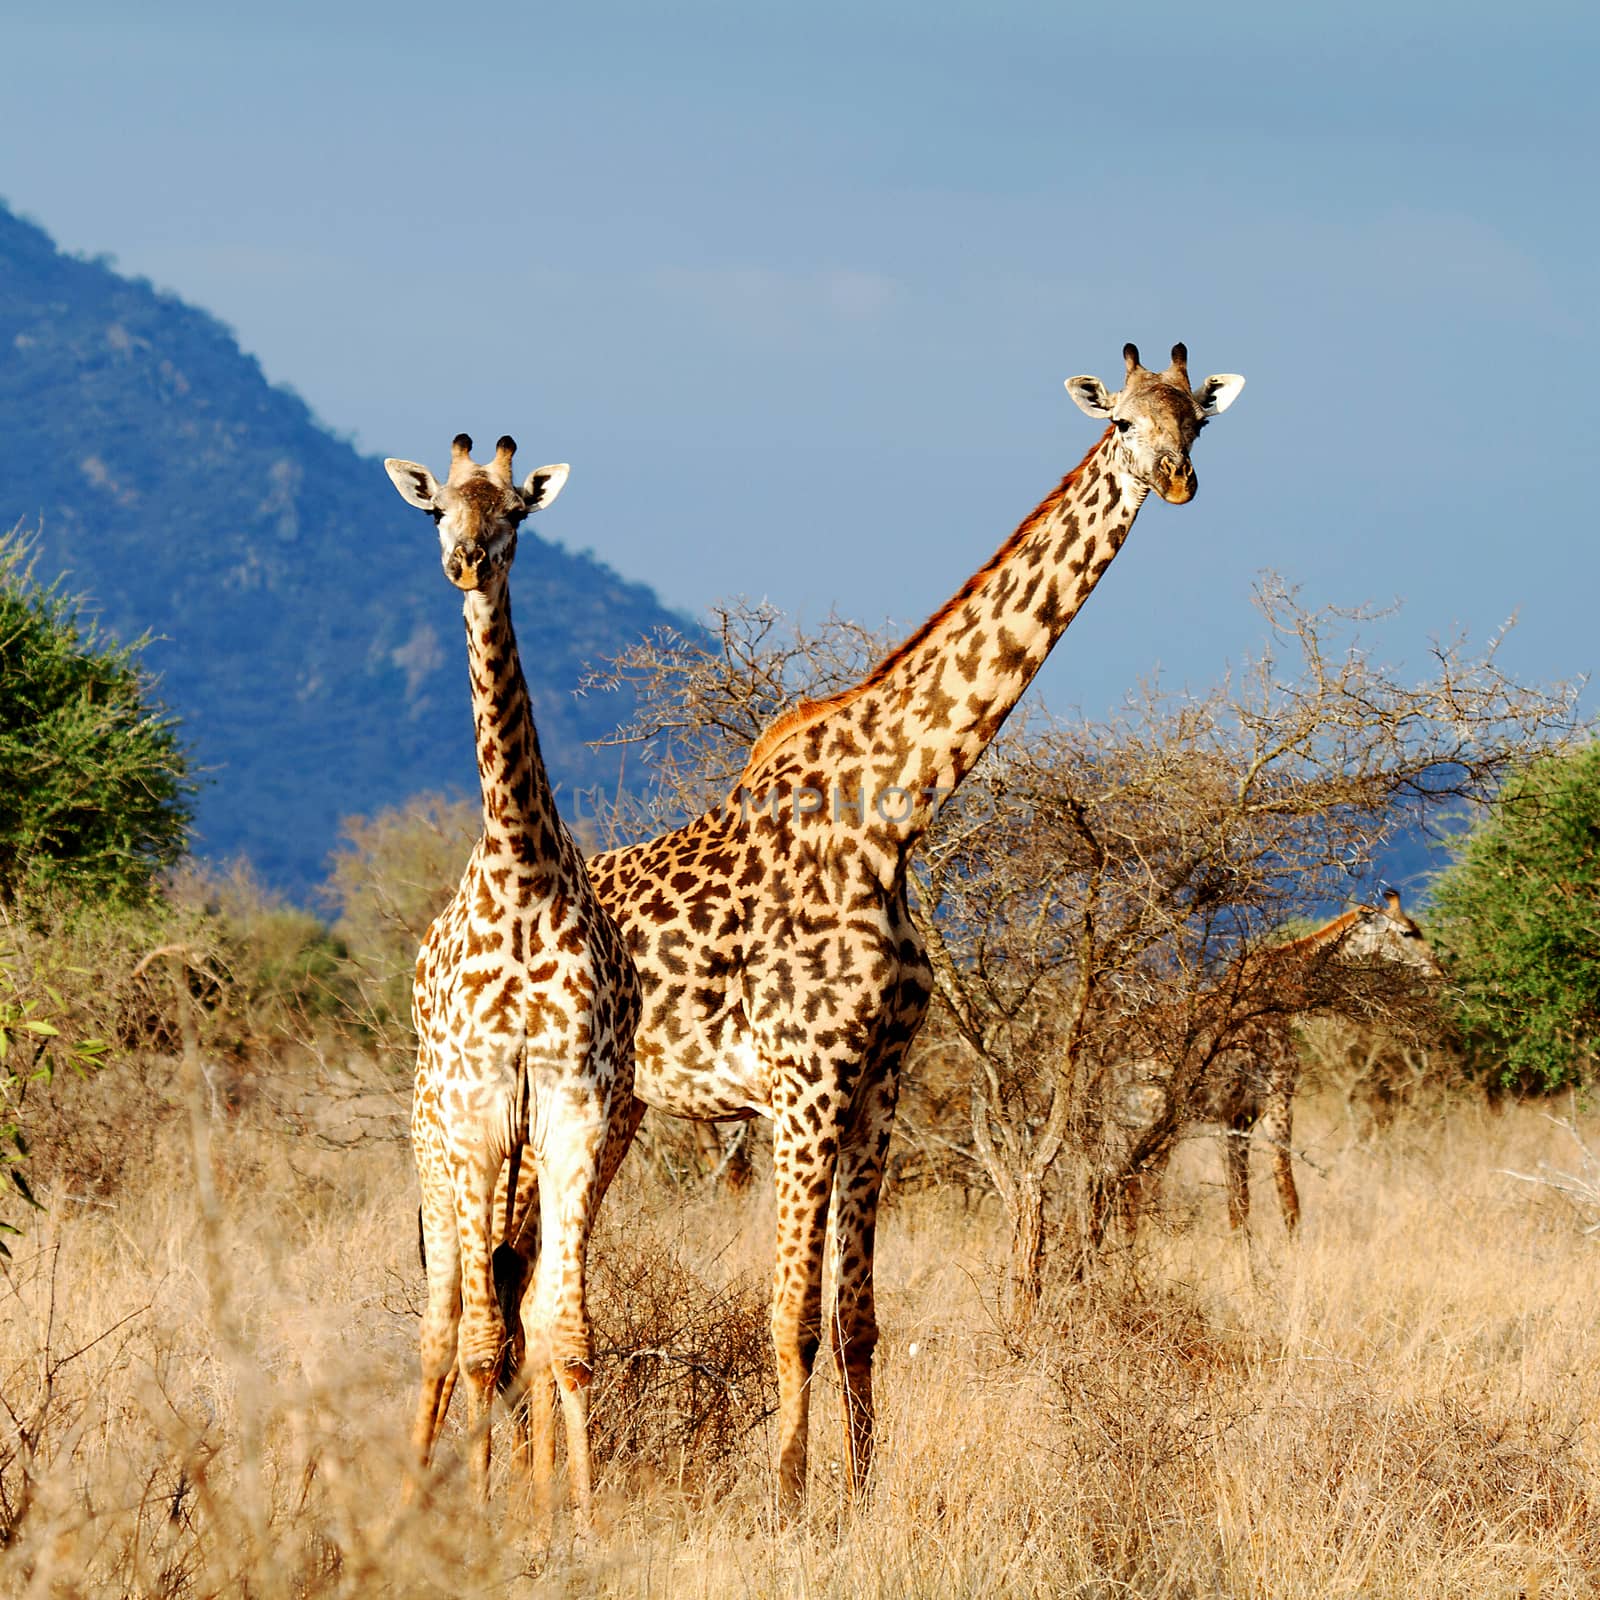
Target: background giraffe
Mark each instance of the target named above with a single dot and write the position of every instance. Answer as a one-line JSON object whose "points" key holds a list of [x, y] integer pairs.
{"points": [[1250, 1083], [525, 1005], [781, 971]]}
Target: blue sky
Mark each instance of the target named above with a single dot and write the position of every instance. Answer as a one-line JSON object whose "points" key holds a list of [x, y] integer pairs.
{"points": [[794, 288]]}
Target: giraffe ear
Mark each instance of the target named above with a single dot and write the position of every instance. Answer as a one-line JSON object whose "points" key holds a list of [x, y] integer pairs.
{"points": [[1090, 397], [418, 487], [540, 487], [1217, 393]]}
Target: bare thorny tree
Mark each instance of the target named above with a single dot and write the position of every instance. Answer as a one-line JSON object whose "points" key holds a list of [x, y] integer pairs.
{"points": [[1092, 896]]}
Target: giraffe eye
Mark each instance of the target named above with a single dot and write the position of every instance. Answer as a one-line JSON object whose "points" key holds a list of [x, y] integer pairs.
{"points": [[1122, 424]]}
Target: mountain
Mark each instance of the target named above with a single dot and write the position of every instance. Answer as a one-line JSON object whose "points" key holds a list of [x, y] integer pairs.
{"points": [[305, 634]]}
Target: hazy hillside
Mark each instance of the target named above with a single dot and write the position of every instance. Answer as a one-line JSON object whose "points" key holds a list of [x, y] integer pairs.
{"points": [[309, 640]]}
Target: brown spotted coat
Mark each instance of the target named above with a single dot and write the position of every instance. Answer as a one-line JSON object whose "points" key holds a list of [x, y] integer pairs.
{"points": [[525, 1003], [782, 974]]}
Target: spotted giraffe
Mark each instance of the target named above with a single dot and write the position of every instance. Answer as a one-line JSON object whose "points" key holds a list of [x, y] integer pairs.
{"points": [[525, 1003], [1251, 1080], [782, 974]]}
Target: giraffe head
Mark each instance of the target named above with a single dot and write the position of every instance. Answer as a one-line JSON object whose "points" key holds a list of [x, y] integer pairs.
{"points": [[1157, 416], [1386, 933], [477, 509]]}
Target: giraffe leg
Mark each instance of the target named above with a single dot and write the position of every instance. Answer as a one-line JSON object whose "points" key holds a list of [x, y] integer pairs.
{"points": [[1236, 1169], [481, 1338], [858, 1183], [539, 1451], [805, 1146], [442, 1315], [1277, 1126], [511, 1265], [556, 1328], [525, 1397], [619, 1139]]}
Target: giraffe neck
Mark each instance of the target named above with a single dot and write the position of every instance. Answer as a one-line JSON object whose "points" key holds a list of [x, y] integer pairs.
{"points": [[1279, 972], [518, 808], [914, 728], [1309, 943]]}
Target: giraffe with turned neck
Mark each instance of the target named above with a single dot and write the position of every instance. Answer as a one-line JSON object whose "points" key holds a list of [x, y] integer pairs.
{"points": [[782, 975], [1249, 1084], [525, 1004]]}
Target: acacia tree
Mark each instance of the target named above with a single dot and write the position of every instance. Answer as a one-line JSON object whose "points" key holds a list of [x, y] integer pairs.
{"points": [[1517, 917], [1087, 897], [94, 785], [1091, 908]]}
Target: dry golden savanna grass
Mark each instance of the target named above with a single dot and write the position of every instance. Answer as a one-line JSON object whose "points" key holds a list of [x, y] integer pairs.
{"points": [[207, 1392]]}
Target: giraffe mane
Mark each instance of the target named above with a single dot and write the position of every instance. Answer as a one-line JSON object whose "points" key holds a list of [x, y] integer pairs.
{"points": [[1328, 930], [809, 712], [1309, 941]]}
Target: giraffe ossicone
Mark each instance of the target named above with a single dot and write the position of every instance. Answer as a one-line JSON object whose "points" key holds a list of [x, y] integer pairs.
{"points": [[525, 1003]]}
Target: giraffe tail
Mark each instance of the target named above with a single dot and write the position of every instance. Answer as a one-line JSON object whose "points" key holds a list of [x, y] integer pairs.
{"points": [[511, 1273]]}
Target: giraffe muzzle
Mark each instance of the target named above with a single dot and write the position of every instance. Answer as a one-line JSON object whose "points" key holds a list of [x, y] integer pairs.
{"points": [[1176, 482], [464, 565]]}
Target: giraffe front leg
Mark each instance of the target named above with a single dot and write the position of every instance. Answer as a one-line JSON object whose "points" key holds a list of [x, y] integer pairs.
{"points": [[480, 1343], [513, 1280], [805, 1147], [858, 1186], [536, 1430], [440, 1319]]}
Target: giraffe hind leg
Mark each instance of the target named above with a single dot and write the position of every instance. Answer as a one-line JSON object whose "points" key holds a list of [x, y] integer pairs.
{"points": [[1236, 1170], [557, 1335], [1277, 1125], [441, 1317], [858, 1185], [481, 1338], [804, 1158]]}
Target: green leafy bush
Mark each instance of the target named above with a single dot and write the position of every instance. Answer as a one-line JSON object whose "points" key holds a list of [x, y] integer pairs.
{"points": [[1517, 920], [94, 785]]}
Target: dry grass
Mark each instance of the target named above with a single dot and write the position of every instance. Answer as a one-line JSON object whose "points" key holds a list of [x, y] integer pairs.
{"points": [[208, 1399]]}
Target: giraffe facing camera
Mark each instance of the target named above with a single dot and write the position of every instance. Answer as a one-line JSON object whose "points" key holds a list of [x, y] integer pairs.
{"points": [[525, 1004], [1158, 417]]}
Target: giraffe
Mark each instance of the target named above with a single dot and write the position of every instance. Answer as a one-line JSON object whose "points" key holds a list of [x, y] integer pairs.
{"points": [[782, 975], [525, 1004], [1251, 1080]]}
